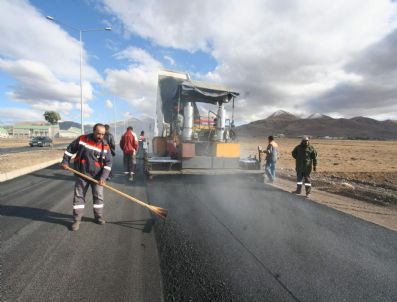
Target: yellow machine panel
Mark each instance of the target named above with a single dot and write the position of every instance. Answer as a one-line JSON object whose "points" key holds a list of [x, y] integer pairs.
{"points": [[227, 150]]}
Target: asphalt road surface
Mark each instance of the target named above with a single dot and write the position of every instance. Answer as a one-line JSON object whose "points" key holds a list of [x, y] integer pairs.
{"points": [[42, 260], [225, 239], [233, 239]]}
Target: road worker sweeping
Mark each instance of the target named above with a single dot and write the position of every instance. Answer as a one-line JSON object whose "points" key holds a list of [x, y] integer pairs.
{"points": [[305, 157], [93, 158]]}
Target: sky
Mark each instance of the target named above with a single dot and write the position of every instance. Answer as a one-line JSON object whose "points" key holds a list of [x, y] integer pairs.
{"points": [[310, 56]]}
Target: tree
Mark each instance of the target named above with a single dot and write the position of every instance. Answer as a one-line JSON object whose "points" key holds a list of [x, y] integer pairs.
{"points": [[52, 117]]}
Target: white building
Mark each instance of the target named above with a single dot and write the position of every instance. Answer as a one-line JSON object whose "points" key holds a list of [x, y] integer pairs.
{"points": [[35, 130]]}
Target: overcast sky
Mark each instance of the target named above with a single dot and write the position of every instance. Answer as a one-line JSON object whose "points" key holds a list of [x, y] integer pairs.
{"points": [[332, 57]]}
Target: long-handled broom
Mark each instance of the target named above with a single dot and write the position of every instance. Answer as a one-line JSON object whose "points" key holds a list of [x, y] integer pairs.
{"points": [[156, 210]]}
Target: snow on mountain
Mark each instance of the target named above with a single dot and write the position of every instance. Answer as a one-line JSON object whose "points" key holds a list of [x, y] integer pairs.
{"points": [[281, 114]]}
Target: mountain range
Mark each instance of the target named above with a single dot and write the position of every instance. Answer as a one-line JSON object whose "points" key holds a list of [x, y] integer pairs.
{"points": [[118, 128], [319, 125]]}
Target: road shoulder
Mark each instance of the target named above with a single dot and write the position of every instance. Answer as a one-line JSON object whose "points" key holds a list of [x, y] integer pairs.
{"points": [[385, 216]]}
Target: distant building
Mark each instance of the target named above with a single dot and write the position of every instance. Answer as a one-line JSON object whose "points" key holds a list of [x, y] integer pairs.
{"points": [[3, 133], [35, 130]]}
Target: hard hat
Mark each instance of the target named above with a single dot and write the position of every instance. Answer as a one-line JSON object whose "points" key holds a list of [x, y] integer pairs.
{"points": [[305, 138]]}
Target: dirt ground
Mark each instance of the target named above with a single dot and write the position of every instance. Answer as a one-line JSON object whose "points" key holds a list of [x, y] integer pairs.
{"points": [[15, 161], [355, 177], [364, 170], [36, 155]]}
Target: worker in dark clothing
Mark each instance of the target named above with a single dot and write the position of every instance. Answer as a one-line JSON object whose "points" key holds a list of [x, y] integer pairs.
{"points": [[110, 140], [93, 159], [305, 157]]}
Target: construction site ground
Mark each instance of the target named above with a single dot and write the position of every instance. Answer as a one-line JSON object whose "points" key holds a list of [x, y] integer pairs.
{"points": [[355, 177]]}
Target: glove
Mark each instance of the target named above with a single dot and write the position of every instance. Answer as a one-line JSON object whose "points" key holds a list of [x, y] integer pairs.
{"points": [[314, 168]]}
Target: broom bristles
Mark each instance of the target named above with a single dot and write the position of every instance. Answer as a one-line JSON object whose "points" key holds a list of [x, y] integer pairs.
{"points": [[159, 211]]}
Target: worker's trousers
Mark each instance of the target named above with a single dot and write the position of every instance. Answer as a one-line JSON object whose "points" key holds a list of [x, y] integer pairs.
{"points": [[80, 190], [307, 182], [129, 161], [270, 169]]}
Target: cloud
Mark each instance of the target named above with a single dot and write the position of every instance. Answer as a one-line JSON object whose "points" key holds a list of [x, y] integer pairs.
{"points": [[138, 83], [170, 60], [32, 76], [109, 104], [43, 59], [275, 53], [10, 115], [162, 22], [30, 36], [376, 93], [139, 57]]}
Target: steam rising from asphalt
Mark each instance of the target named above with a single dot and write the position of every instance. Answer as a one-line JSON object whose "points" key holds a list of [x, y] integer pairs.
{"points": [[191, 261]]}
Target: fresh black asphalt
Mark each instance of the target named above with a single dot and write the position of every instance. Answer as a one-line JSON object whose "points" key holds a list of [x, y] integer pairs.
{"points": [[247, 242], [225, 239], [42, 260]]}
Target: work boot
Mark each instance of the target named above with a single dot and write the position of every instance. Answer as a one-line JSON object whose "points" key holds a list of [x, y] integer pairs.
{"points": [[308, 190], [308, 195], [76, 225], [298, 190], [100, 220]]}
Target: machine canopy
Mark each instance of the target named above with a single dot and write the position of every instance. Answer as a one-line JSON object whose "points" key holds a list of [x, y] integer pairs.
{"points": [[176, 88], [195, 91]]}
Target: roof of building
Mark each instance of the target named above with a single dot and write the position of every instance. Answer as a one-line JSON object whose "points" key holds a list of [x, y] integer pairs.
{"points": [[43, 127], [2, 130]]}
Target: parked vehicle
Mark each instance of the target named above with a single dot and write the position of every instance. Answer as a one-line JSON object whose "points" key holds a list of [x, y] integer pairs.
{"points": [[40, 141]]}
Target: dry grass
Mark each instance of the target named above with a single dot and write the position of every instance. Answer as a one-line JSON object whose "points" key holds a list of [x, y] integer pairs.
{"points": [[14, 161], [361, 160], [18, 160]]}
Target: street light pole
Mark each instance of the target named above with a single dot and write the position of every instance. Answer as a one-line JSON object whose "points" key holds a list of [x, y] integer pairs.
{"points": [[81, 60], [114, 118], [81, 83]]}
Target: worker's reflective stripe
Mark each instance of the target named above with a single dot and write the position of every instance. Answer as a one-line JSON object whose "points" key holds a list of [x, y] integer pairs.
{"points": [[91, 147], [299, 183], [107, 168], [98, 206], [308, 185], [78, 206], [68, 154]]}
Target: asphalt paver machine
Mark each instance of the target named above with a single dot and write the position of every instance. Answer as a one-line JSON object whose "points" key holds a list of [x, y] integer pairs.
{"points": [[192, 134]]}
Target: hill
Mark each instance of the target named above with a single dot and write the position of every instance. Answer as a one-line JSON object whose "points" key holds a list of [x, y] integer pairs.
{"points": [[318, 125], [145, 124], [67, 124]]}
